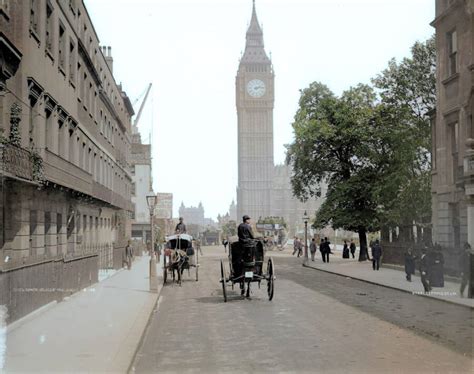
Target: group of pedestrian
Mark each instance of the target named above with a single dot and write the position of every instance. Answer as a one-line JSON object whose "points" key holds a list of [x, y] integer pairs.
{"points": [[431, 267], [348, 247]]}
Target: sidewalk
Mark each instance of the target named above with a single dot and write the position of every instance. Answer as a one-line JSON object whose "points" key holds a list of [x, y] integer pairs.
{"points": [[387, 277], [95, 331]]}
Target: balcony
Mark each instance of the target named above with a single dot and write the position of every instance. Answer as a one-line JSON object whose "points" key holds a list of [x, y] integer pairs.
{"points": [[65, 173], [16, 162]]}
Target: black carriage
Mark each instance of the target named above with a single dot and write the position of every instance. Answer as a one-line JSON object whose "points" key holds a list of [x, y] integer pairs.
{"points": [[179, 256], [246, 265]]}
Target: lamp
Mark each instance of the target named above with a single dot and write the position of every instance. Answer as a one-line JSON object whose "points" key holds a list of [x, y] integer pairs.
{"points": [[151, 202], [305, 220]]}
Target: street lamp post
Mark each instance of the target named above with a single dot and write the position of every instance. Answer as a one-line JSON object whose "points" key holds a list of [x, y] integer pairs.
{"points": [[305, 219], [151, 202]]}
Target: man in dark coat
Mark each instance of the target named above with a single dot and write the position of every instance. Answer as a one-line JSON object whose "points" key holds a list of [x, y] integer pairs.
{"points": [[326, 249], [437, 267], [180, 227], [466, 264], [352, 247], [376, 255], [245, 233], [322, 249], [247, 243], [409, 263], [425, 268]]}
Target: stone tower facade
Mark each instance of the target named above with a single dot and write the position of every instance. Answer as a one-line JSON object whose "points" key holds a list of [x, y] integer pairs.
{"points": [[255, 101]]}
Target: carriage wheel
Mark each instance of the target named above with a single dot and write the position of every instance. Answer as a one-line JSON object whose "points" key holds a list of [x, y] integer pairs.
{"points": [[165, 270], [271, 279], [224, 291]]}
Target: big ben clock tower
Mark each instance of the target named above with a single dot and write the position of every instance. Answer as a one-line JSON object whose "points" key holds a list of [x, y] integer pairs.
{"points": [[255, 100]]}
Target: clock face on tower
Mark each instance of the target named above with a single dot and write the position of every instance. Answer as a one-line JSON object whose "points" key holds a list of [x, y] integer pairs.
{"points": [[256, 88]]}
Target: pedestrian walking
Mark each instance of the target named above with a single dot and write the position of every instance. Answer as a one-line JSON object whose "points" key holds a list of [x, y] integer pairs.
{"points": [[198, 246], [129, 255], [376, 255], [409, 263], [425, 269], [295, 245], [352, 248], [300, 248], [345, 250], [322, 249], [312, 248], [466, 264]]}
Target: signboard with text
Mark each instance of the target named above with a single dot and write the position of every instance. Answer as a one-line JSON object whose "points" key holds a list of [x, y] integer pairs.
{"points": [[164, 205]]}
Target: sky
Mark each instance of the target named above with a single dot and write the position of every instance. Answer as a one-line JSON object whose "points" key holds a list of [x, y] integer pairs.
{"points": [[190, 49]]}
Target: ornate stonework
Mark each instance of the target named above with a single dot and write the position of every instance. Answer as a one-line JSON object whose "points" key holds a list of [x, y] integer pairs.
{"points": [[255, 102]]}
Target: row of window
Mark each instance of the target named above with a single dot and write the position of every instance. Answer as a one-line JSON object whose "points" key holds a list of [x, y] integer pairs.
{"points": [[69, 64], [74, 223]]}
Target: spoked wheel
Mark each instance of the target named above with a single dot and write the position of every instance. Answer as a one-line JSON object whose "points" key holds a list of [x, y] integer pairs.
{"points": [[165, 270], [224, 291], [271, 279]]}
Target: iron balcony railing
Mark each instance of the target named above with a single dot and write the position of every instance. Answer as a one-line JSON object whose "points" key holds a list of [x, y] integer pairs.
{"points": [[16, 161]]}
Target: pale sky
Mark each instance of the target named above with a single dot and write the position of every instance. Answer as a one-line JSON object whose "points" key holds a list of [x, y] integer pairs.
{"points": [[190, 49]]}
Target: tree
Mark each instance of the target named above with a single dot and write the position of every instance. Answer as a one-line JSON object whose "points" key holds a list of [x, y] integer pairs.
{"points": [[373, 151], [408, 94], [335, 141]]}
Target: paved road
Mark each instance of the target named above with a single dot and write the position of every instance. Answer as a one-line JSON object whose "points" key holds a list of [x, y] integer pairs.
{"points": [[317, 322]]}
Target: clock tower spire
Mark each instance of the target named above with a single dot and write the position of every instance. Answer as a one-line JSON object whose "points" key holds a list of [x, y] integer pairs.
{"points": [[255, 101]]}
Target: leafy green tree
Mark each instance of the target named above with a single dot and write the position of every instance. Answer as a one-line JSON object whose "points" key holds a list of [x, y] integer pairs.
{"points": [[335, 141], [408, 95]]}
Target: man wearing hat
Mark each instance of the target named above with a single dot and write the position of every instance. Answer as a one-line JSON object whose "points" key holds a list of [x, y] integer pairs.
{"points": [[245, 233], [180, 227]]}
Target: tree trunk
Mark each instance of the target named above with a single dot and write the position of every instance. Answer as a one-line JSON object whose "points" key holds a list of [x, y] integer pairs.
{"points": [[363, 254]]}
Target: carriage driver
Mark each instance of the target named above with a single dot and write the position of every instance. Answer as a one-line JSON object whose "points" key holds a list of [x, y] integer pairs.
{"points": [[245, 232], [180, 227]]}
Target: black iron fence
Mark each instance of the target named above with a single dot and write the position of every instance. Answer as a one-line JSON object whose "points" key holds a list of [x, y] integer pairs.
{"points": [[394, 253], [26, 288]]}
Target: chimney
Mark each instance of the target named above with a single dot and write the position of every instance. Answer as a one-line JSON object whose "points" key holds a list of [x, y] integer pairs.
{"points": [[107, 51]]}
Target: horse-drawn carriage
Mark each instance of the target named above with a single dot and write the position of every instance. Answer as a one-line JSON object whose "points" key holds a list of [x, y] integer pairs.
{"points": [[246, 266], [179, 256]]}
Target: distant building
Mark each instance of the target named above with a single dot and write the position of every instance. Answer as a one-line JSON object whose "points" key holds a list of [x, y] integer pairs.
{"points": [[286, 205], [254, 85], [192, 215], [263, 189], [453, 128], [140, 166]]}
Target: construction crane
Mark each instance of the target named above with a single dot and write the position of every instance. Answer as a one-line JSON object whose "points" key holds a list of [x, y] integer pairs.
{"points": [[137, 118]]}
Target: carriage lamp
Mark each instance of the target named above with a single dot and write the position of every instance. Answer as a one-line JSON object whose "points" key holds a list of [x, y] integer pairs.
{"points": [[151, 202], [305, 220]]}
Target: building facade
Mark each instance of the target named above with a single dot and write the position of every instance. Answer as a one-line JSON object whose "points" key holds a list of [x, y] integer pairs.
{"points": [[140, 165], [193, 215], [452, 126], [65, 144], [255, 101], [286, 205]]}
